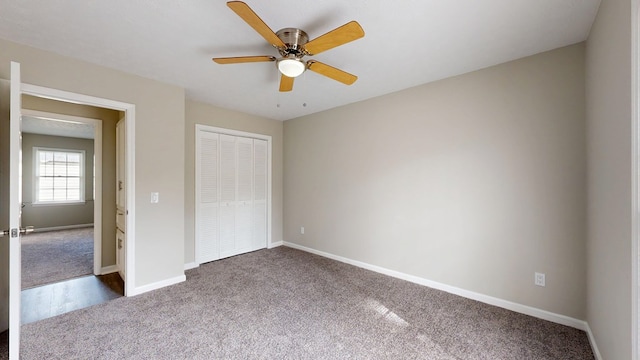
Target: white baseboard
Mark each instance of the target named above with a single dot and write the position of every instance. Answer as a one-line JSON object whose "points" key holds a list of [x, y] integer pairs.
{"points": [[191, 265], [523, 309], [592, 341], [157, 285], [64, 227], [109, 269], [275, 244]]}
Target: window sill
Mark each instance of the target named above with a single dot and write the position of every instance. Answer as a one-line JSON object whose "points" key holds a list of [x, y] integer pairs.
{"points": [[38, 204]]}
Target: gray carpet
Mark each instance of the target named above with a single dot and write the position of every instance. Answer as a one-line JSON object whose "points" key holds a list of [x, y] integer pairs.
{"points": [[287, 304], [54, 256]]}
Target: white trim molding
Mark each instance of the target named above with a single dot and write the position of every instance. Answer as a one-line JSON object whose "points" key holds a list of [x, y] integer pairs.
{"points": [[157, 285], [191, 265], [592, 341], [505, 304], [275, 244], [64, 227], [108, 270]]}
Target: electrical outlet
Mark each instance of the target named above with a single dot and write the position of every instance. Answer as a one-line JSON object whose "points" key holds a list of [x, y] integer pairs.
{"points": [[302, 230], [155, 197], [539, 279]]}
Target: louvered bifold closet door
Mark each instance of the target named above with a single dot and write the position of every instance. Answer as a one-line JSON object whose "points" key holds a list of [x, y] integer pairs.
{"points": [[207, 197], [227, 195], [260, 163], [231, 195]]}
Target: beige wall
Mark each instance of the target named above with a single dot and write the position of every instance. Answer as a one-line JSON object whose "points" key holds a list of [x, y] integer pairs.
{"points": [[159, 148], [199, 113], [109, 119], [475, 181], [55, 215], [608, 97]]}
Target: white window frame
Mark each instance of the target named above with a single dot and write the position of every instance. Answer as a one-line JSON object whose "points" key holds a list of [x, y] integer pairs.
{"points": [[36, 176]]}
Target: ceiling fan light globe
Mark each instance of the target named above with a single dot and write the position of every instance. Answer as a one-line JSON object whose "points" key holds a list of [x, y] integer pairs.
{"points": [[291, 67]]}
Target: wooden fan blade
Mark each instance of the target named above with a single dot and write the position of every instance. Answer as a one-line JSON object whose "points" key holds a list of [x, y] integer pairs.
{"points": [[286, 83], [243, 59], [244, 11], [331, 72], [336, 37]]}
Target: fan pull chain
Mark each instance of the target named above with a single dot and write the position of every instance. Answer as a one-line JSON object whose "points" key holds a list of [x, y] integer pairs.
{"points": [[304, 89]]}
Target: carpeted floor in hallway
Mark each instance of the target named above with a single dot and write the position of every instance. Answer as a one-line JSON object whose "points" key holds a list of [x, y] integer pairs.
{"points": [[54, 256]]}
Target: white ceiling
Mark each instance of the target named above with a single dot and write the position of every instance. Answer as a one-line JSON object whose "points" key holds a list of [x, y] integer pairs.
{"points": [[406, 43], [55, 127]]}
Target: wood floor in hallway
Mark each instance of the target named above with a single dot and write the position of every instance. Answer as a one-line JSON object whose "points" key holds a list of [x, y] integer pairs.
{"points": [[49, 300]]}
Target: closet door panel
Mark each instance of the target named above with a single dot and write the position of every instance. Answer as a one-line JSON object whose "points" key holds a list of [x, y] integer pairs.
{"points": [[207, 198], [227, 168], [228, 180], [244, 229], [244, 218], [208, 235], [245, 169], [227, 231], [260, 164], [259, 225], [209, 168]]}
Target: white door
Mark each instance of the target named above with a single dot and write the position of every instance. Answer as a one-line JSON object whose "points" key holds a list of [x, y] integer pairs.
{"points": [[260, 192], [244, 191], [121, 199], [11, 213], [228, 179], [207, 210]]}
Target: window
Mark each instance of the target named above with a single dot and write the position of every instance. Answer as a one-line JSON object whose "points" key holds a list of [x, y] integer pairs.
{"points": [[58, 176]]}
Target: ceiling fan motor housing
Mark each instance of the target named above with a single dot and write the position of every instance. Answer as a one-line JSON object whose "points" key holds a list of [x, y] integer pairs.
{"points": [[294, 40]]}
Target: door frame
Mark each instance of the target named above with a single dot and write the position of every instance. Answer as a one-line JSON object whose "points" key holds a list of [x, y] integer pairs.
{"points": [[97, 199], [635, 179], [129, 117], [207, 128]]}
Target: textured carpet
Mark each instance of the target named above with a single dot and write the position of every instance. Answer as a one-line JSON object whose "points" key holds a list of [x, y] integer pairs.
{"points": [[54, 256], [287, 304]]}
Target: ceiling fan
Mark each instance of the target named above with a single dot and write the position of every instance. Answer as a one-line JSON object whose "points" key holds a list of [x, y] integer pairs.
{"points": [[293, 45]]}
